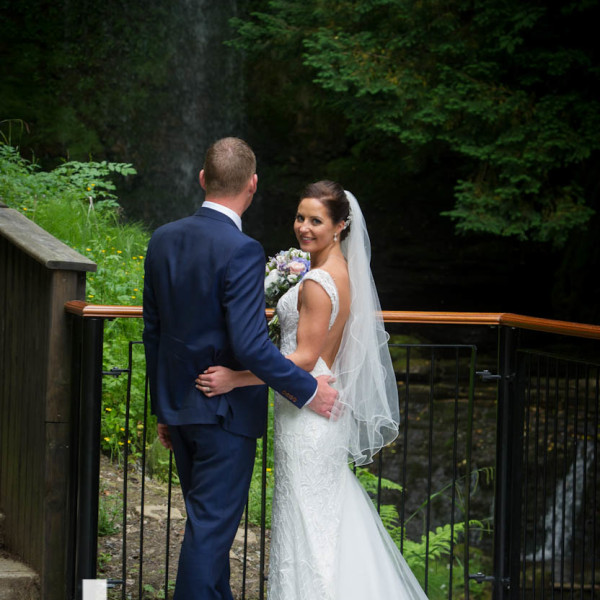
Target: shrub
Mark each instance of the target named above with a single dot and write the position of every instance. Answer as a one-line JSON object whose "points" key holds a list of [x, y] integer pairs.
{"points": [[76, 203]]}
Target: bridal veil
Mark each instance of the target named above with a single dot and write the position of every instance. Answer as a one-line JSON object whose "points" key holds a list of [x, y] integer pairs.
{"points": [[368, 393]]}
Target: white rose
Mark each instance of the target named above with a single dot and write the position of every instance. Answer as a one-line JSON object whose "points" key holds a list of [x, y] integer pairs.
{"points": [[271, 279]]}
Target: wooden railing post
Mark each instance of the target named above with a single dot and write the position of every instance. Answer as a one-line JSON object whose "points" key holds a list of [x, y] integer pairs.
{"points": [[38, 274]]}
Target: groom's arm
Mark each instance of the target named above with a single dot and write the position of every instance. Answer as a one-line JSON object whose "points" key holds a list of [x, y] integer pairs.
{"points": [[244, 303]]}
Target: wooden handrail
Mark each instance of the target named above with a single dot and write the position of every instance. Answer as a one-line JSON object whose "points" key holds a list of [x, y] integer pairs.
{"points": [[102, 311], [83, 309]]}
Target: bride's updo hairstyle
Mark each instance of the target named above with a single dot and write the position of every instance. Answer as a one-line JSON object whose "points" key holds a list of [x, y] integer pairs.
{"points": [[333, 197]]}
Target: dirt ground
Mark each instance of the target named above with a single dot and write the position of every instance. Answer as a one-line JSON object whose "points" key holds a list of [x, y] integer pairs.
{"points": [[147, 558]]}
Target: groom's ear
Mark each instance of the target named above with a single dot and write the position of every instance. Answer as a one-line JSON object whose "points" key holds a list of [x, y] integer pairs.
{"points": [[253, 184], [202, 180]]}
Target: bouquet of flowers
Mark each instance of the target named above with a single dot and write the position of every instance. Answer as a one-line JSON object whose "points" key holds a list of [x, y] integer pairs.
{"points": [[283, 271]]}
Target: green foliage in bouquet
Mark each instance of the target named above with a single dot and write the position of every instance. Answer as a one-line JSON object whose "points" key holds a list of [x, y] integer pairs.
{"points": [[282, 272]]}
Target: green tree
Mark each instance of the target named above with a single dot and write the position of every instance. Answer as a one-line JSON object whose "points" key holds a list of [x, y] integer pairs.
{"points": [[505, 88]]}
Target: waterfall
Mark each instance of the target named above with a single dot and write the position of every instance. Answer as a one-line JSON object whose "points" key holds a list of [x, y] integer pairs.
{"points": [[559, 531], [199, 101]]}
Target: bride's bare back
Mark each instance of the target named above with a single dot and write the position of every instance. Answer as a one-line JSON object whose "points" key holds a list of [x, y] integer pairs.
{"points": [[336, 267]]}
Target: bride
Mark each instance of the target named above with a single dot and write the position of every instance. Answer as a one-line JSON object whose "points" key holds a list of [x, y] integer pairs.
{"points": [[327, 541]]}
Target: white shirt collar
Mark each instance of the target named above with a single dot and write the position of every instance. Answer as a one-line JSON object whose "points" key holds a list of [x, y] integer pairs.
{"points": [[226, 211]]}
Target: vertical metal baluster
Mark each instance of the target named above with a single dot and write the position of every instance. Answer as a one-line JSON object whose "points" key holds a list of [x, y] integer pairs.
{"points": [[469, 447], [405, 449], [574, 500], [565, 436], [263, 513], [526, 452], [584, 483], [143, 490], [544, 407], [555, 477], [380, 471], [537, 475], [429, 467], [244, 567], [125, 475], [595, 484], [454, 472], [168, 537]]}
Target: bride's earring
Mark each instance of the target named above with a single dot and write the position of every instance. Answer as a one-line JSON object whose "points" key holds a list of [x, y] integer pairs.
{"points": [[335, 237]]}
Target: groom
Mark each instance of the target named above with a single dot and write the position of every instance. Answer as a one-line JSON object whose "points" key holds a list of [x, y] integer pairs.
{"points": [[204, 305]]}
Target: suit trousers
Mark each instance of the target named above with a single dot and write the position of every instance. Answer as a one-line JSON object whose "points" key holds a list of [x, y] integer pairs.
{"points": [[215, 469]]}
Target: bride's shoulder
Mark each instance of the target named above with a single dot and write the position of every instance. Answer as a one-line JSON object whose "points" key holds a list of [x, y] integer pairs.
{"points": [[330, 276]]}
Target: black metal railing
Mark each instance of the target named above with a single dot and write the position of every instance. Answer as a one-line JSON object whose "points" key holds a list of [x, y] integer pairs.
{"points": [[481, 454], [437, 387], [422, 386], [559, 524]]}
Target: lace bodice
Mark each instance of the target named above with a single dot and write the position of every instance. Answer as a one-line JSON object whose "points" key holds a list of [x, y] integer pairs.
{"points": [[287, 308]]}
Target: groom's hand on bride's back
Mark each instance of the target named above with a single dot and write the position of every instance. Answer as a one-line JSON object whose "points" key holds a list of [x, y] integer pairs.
{"points": [[325, 397]]}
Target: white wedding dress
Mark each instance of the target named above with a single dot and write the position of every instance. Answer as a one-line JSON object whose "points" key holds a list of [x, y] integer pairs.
{"points": [[328, 542]]}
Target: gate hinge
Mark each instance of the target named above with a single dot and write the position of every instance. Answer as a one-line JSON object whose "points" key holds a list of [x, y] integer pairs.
{"points": [[115, 372], [486, 375], [481, 578]]}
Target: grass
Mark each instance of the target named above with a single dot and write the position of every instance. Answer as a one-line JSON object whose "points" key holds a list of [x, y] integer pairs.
{"points": [[76, 204]]}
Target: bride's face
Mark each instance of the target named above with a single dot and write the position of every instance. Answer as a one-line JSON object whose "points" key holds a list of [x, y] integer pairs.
{"points": [[313, 226]]}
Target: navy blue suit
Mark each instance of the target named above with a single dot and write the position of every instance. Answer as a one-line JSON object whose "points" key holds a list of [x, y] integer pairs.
{"points": [[204, 305]]}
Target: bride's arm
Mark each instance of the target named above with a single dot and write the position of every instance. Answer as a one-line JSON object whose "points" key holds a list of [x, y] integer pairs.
{"points": [[219, 380], [313, 325]]}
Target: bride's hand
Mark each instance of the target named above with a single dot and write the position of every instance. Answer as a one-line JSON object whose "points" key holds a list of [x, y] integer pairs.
{"points": [[216, 381]]}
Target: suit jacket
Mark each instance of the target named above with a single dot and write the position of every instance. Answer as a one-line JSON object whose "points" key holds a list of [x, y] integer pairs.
{"points": [[204, 305]]}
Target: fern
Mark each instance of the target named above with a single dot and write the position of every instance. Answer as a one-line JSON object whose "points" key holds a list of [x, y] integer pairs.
{"points": [[370, 482], [434, 554]]}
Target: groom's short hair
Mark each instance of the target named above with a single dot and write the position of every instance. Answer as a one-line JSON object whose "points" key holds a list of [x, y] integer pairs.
{"points": [[228, 165]]}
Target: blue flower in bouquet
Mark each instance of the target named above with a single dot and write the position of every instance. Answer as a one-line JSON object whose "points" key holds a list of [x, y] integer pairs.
{"points": [[283, 271]]}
